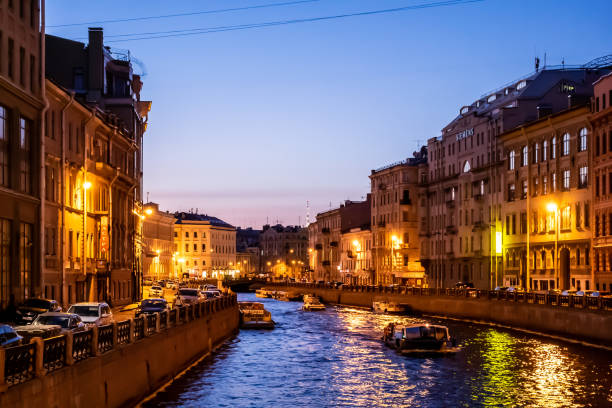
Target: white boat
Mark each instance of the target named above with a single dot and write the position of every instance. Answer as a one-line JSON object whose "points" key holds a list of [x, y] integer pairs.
{"points": [[254, 316], [263, 293], [312, 303], [420, 339], [388, 307]]}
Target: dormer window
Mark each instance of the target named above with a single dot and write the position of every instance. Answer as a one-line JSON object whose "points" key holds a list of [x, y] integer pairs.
{"points": [[491, 98], [521, 85], [464, 110], [466, 166]]}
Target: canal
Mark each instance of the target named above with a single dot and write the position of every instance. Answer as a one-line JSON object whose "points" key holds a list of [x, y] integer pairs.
{"points": [[335, 359]]}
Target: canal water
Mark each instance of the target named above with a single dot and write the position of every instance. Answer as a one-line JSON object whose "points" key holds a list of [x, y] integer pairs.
{"points": [[336, 359]]}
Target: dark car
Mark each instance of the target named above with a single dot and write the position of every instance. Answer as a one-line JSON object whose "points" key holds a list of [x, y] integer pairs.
{"points": [[464, 285], [152, 305], [31, 308], [67, 321], [8, 336]]}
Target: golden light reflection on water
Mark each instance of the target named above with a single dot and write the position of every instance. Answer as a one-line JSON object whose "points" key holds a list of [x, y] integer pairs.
{"points": [[498, 367]]}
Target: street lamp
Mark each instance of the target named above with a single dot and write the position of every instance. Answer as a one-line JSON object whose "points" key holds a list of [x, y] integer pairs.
{"points": [[148, 211], [552, 207]]}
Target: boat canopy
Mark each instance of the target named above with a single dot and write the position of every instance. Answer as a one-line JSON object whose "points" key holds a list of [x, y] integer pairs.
{"points": [[426, 331]]}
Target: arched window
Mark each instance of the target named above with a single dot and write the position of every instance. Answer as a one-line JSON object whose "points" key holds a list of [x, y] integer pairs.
{"points": [[525, 156], [566, 144], [553, 148], [512, 158], [545, 150], [582, 145], [536, 153]]}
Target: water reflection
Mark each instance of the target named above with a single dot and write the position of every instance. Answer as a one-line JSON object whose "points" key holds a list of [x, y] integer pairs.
{"points": [[335, 359]]}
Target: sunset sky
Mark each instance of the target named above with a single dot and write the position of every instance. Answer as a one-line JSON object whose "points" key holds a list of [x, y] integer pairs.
{"points": [[248, 125]]}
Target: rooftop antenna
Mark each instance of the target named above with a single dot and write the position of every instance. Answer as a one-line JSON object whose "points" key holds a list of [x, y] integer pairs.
{"points": [[544, 60], [563, 62], [300, 221], [537, 64], [148, 197]]}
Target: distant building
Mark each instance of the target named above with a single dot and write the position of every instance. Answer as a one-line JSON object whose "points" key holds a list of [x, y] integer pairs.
{"points": [[204, 246], [324, 238], [158, 250], [284, 250], [248, 253], [395, 228], [601, 153]]}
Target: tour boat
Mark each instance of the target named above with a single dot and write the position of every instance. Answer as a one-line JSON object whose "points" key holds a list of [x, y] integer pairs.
{"points": [[312, 303], [419, 339], [388, 307], [286, 296], [254, 316], [263, 293]]}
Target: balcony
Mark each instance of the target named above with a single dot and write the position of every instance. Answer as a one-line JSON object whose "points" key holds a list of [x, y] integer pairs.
{"points": [[479, 225]]}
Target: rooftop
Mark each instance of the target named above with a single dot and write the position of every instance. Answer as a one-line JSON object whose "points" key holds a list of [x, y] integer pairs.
{"points": [[185, 216]]}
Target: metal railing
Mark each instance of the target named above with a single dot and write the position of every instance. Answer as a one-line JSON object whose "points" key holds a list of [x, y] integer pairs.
{"points": [[556, 300], [54, 353], [19, 364], [41, 357], [81, 345], [105, 338]]}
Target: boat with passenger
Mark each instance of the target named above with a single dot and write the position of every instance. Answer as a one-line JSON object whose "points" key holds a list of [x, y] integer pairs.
{"points": [[312, 303], [253, 315], [263, 293], [286, 296], [420, 339], [383, 306]]}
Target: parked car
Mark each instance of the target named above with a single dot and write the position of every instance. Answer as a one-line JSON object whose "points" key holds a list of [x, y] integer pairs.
{"points": [[156, 291], [67, 321], [171, 285], [464, 285], [512, 289], [598, 293], [98, 313], [568, 292], [501, 288], [152, 305], [27, 312], [187, 296], [210, 294], [8, 336]]}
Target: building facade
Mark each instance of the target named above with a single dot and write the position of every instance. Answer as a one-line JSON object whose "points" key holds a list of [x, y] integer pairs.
{"points": [[21, 148], [204, 246], [601, 153], [284, 250], [356, 262], [395, 228], [158, 250], [462, 219], [94, 129], [324, 238], [548, 203]]}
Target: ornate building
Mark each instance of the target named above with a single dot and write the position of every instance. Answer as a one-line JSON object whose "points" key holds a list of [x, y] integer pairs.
{"points": [[395, 226], [547, 203], [284, 250], [601, 153], [204, 246], [158, 249], [324, 238]]}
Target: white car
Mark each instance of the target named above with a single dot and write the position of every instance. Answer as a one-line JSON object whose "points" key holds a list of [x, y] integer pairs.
{"points": [[156, 292], [98, 313], [171, 285], [187, 296]]}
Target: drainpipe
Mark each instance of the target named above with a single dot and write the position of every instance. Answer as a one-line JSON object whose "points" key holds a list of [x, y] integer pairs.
{"points": [[63, 195], [84, 237], [42, 146]]}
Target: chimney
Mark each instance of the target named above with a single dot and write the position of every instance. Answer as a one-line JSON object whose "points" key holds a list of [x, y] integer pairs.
{"points": [[95, 52]]}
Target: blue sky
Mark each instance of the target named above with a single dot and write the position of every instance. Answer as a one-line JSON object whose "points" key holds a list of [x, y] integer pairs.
{"points": [[248, 125]]}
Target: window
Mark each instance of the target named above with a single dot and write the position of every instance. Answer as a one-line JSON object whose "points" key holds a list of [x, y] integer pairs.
{"points": [[4, 148], [578, 219], [511, 191], [186, 234], [203, 247], [50, 187], [521, 85], [566, 218], [25, 166], [5, 261], [466, 166], [175, 234], [525, 160], [554, 182], [512, 158], [524, 190], [536, 153], [584, 174], [582, 141], [566, 144], [186, 247], [25, 257], [482, 188], [544, 150], [553, 148], [587, 215], [195, 247], [195, 234], [544, 185], [32, 72], [22, 66], [11, 58], [566, 179]]}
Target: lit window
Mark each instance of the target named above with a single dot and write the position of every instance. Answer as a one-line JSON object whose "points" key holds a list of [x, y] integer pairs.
{"points": [[583, 139], [482, 187], [553, 151], [566, 179], [566, 217], [521, 85], [524, 190], [545, 150], [554, 182], [491, 98], [584, 176], [544, 185], [512, 157], [566, 144], [525, 156], [466, 166], [536, 157], [4, 148]]}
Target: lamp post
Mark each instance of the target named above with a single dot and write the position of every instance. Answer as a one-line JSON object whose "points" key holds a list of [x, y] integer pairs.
{"points": [[552, 207]]}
